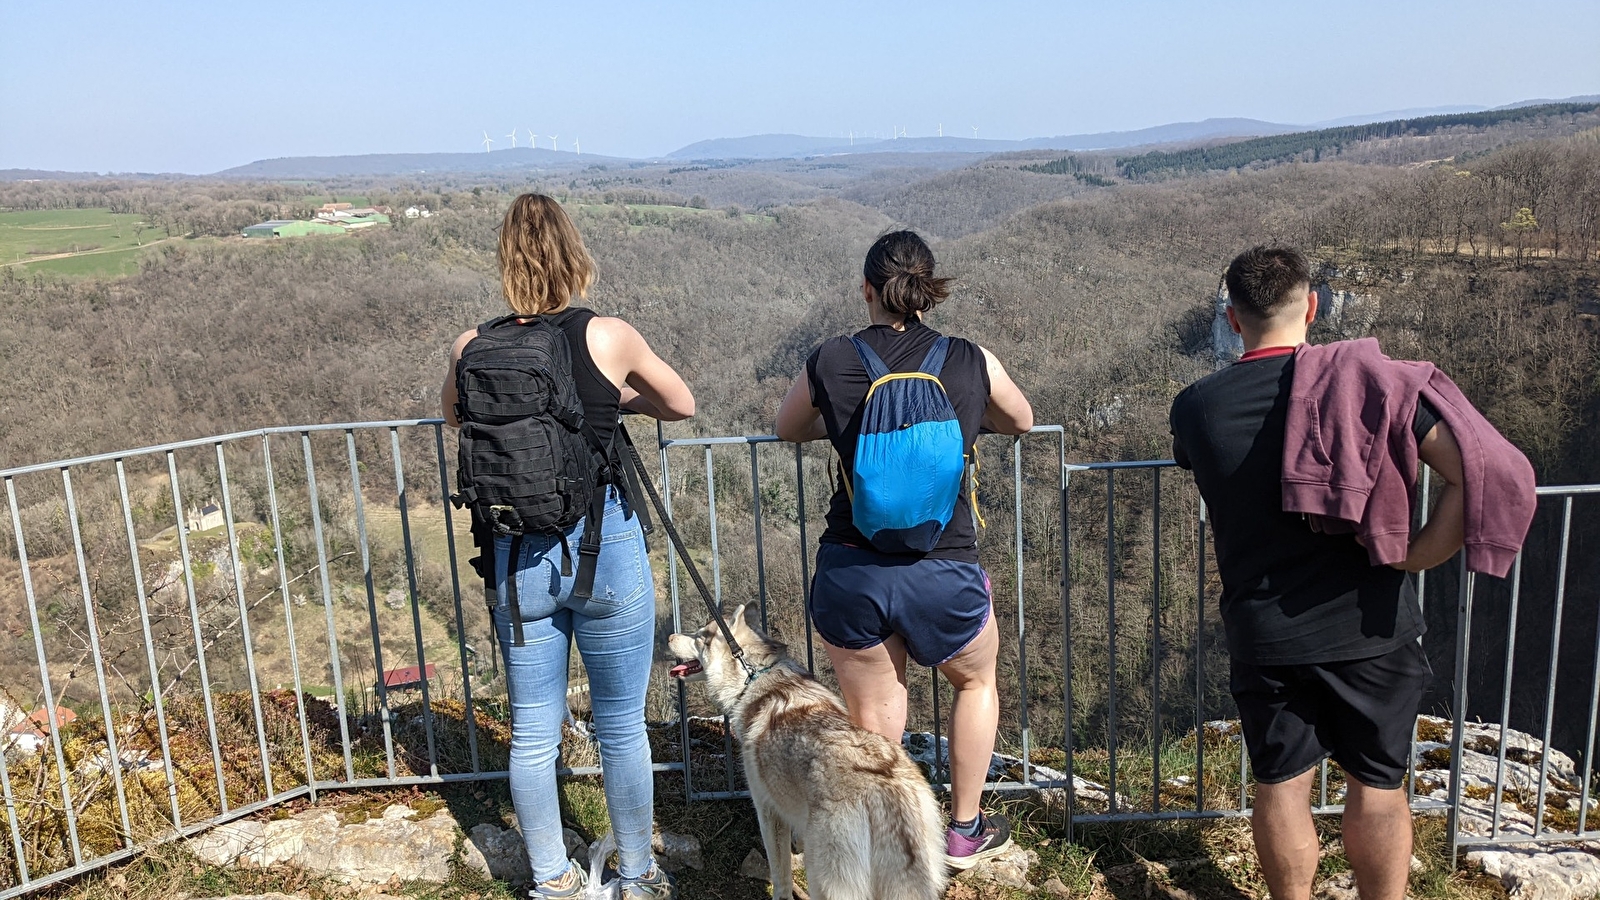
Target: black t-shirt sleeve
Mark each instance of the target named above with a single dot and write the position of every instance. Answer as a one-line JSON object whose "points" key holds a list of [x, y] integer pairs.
{"points": [[1179, 455], [818, 393], [1424, 420]]}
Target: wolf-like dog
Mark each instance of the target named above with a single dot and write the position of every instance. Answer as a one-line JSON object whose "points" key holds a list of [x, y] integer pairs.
{"points": [[866, 815]]}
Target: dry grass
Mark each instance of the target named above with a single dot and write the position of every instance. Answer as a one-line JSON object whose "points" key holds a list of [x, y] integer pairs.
{"points": [[1133, 861]]}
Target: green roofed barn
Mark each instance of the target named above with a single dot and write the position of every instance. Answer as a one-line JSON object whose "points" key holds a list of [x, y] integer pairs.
{"points": [[285, 228]]}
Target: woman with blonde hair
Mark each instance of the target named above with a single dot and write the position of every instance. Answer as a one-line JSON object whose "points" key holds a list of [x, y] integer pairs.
{"points": [[543, 266]]}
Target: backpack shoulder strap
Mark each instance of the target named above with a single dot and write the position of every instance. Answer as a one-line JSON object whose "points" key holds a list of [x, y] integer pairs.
{"points": [[869, 360], [933, 363]]}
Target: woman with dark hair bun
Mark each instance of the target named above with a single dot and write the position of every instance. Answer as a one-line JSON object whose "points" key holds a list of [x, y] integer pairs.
{"points": [[930, 601]]}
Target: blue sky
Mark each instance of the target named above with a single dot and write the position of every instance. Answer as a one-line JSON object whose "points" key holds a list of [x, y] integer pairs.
{"points": [[200, 86]]}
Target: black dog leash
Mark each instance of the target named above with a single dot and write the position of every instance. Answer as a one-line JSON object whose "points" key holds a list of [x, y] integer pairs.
{"points": [[683, 552]]}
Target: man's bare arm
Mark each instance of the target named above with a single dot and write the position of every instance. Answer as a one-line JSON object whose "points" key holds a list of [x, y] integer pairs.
{"points": [[1443, 535]]}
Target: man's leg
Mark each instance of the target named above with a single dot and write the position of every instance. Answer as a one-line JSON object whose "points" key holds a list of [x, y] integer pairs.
{"points": [[1286, 840], [1377, 839], [1376, 709]]}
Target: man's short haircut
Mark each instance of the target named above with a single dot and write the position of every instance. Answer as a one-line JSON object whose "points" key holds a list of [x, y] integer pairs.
{"points": [[1263, 279]]}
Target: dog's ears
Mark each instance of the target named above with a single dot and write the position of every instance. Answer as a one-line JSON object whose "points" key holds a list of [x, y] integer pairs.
{"points": [[751, 613]]}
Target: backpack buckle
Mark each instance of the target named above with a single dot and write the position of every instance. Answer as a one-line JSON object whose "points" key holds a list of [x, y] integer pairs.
{"points": [[505, 519]]}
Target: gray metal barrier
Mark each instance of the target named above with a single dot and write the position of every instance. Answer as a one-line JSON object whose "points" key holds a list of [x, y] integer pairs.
{"points": [[179, 730], [309, 634], [1504, 819], [1065, 602]]}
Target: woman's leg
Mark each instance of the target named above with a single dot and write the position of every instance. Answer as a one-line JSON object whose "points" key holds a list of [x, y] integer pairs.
{"points": [[974, 716], [536, 682], [873, 682], [615, 632]]}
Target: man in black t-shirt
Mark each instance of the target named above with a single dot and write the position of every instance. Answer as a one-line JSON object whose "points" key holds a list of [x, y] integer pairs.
{"points": [[1325, 655]]}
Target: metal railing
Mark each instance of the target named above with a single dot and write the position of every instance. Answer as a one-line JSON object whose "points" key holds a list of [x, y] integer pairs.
{"points": [[1064, 490], [196, 644], [1515, 826], [223, 661]]}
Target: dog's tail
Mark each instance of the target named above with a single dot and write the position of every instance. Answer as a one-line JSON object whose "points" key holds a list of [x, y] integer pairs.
{"points": [[908, 848]]}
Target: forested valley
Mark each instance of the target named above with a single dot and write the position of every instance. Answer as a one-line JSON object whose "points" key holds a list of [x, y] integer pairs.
{"points": [[1097, 291]]}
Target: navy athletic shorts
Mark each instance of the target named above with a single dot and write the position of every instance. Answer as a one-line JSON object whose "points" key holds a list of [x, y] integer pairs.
{"points": [[860, 597], [1359, 712]]}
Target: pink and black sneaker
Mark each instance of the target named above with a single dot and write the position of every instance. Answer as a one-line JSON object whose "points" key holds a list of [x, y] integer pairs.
{"points": [[993, 837]]}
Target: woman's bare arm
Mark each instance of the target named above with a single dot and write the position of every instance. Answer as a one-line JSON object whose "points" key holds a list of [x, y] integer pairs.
{"points": [[647, 384], [447, 394], [799, 420], [1009, 411]]}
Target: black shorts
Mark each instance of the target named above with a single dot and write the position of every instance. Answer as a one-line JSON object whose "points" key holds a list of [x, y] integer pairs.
{"points": [[860, 597], [1360, 712]]}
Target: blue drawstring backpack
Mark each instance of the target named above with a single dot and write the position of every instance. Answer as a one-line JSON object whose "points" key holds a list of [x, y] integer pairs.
{"points": [[910, 460]]}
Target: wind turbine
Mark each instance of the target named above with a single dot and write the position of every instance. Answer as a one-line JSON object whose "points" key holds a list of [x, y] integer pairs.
{"points": [[513, 136], [552, 138], [941, 129], [487, 142], [974, 132], [575, 148]]}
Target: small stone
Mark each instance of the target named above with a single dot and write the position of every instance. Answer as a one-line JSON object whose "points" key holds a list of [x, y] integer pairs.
{"points": [[498, 853], [577, 847], [677, 851], [755, 866], [1055, 888], [1340, 887], [1010, 868], [1416, 864]]}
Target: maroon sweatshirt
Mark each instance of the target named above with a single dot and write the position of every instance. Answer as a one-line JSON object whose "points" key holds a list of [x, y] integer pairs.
{"points": [[1349, 454]]}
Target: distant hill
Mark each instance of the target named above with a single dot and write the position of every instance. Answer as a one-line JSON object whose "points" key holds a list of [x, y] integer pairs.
{"points": [[414, 163], [1415, 113], [764, 146], [45, 175], [799, 146], [1314, 145], [785, 146], [1584, 98]]}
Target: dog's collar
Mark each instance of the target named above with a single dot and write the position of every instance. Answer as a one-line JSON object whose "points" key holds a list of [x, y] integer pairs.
{"points": [[754, 674]]}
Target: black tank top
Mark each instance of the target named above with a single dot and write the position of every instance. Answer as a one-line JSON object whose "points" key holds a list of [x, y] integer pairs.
{"points": [[601, 399]]}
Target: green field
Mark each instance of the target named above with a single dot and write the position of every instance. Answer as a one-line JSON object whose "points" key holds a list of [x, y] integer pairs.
{"points": [[81, 243], [319, 199]]}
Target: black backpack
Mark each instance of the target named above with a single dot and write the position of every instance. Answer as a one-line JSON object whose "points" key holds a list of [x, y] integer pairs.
{"points": [[529, 463]]}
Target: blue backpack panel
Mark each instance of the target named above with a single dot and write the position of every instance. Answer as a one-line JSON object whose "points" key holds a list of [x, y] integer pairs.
{"points": [[909, 458]]}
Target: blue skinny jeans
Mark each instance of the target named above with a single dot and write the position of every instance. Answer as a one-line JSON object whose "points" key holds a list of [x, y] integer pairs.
{"points": [[615, 634]]}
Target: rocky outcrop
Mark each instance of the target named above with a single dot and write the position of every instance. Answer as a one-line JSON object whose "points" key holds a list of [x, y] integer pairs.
{"points": [[928, 755], [1547, 872], [357, 853], [1560, 873], [1226, 346], [1346, 313], [1519, 781]]}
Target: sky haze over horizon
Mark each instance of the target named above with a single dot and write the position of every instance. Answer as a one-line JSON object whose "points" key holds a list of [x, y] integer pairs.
{"points": [[196, 88]]}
